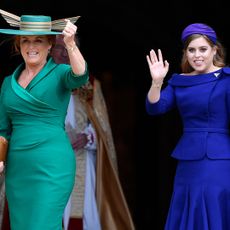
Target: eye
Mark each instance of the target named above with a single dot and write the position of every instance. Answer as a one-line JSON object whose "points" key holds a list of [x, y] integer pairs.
{"points": [[203, 49], [191, 50], [23, 40], [38, 40]]}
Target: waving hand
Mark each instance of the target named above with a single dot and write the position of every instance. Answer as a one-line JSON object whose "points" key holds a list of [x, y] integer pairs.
{"points": [[158, 68]]}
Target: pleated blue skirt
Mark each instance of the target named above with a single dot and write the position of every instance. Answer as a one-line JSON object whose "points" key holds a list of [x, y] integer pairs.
{"points": [[201, 196]]}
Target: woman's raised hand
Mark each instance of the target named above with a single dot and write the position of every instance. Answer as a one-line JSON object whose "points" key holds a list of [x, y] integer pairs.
{"points": [[158, 68], [69, 33]]}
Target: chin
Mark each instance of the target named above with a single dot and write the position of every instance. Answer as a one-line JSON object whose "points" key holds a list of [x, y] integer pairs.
{"points": [[200, 69]]}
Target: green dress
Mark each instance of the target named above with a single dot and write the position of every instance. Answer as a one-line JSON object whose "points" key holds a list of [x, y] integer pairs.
{"points": [[40, 166]]}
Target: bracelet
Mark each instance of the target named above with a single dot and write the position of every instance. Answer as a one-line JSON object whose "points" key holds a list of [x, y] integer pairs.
{"points": [[157, 85], [72, 48]]}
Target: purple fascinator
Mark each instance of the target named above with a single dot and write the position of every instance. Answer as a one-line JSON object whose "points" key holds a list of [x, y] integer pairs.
{"points": [[199, 28]]}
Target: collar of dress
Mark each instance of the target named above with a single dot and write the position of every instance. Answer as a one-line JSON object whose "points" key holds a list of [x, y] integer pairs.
{"points": [[183, 80]]}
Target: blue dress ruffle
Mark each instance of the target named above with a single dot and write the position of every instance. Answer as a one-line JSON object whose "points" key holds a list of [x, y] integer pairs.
{"points": [[201, 196]]}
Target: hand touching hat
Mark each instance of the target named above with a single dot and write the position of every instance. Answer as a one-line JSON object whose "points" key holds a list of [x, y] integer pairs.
{"points": [[34, 24]]}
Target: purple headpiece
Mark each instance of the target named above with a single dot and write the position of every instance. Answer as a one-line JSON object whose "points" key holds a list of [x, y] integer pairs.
{"points": [[199, 28]]}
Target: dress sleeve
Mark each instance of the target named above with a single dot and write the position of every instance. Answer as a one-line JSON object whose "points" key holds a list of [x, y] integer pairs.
{"points": [[5, 124], [166, 102], [73, 81]]}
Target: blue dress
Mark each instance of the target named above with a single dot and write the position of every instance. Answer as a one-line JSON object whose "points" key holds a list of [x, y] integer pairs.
{"points": [[40, 165], [201, 193]]}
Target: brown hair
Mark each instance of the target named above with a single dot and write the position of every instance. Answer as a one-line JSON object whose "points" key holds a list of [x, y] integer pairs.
{"points": [[218, 59]]}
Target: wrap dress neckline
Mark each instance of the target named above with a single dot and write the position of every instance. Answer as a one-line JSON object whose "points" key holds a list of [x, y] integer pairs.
{"points": [[24, 93]]}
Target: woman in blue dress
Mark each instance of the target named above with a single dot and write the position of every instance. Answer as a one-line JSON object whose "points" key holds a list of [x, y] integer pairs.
{"points": [[40, 165], [201, 192]]}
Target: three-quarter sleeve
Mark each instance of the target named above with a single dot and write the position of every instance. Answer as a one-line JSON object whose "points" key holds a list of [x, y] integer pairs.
{"points": [[166, 102], [73, 81]]}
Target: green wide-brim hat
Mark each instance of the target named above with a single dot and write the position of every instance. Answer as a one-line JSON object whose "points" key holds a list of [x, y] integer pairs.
{"points": [[34, 24]]}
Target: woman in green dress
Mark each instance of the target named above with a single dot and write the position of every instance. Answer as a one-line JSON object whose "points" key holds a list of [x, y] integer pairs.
{"points": [[40, 165]]}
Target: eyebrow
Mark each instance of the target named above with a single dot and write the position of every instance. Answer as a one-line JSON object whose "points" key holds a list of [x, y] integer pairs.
{"points": [[205, 46]]}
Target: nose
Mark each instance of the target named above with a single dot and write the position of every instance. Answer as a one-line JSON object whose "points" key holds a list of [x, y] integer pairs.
{"points": [[197, 53], [31, 45]]}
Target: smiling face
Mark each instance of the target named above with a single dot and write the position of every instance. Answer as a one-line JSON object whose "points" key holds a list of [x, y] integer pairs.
{"points": [[34, 49], [199, 54]]}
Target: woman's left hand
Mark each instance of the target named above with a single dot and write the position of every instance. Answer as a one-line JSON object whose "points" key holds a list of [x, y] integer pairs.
{"points": [[76, 59], [69, 33]]}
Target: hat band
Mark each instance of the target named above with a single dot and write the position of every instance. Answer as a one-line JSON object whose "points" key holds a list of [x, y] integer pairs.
{"points": [[35, 26]]}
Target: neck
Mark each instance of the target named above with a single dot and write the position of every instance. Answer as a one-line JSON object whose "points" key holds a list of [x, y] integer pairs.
{"points": [[33, 70]]}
